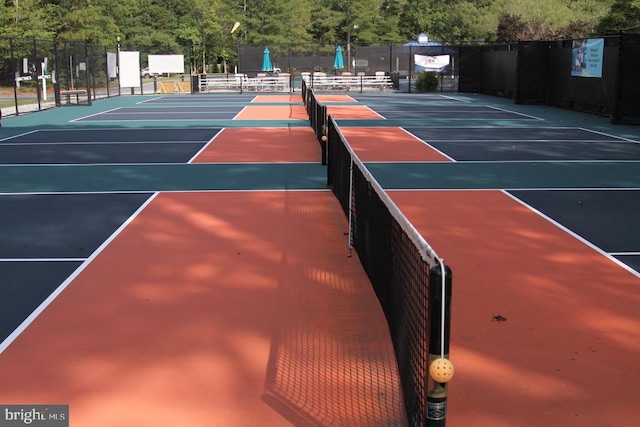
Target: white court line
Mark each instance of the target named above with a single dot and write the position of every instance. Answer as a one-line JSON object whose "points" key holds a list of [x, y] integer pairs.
{"points": [[571, 233], [92, 115], [18, 144], [42, 259], [239, 112], [205, 146], [609, 135], [492, 162], [493, 127], [174, 120], [150, 100], [110, 129], [506, 189], [517, 113], [34, 315], [442, 153], [573, 141], [467, 101], [170, 113], [370, 109], [233, 190], [19, 135], [624, 253]]}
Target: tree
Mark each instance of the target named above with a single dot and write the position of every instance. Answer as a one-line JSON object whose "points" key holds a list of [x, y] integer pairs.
{"points": [[356, 16], [624, 15], [418, 17], [574, 30], [387, 28], [204, 25], [28, 19], [511, 28], [461, 21], [278, 21], [325, 23], [89, 24]]}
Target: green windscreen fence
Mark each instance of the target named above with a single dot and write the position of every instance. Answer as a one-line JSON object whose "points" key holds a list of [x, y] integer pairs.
{"points": [[531, 68], [627, 107]]}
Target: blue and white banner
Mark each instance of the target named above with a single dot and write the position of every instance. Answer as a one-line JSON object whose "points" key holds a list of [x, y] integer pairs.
{"points": [[438, 63], [586, 58]]}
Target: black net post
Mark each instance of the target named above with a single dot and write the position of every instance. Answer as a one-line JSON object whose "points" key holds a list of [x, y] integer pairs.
{"points": [[439, 300]]}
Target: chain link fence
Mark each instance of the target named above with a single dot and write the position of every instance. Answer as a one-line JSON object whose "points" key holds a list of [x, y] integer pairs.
{"points": [[39, 74], [36, 75]]}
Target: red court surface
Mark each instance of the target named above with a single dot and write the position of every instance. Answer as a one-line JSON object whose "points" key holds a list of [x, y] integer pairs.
{"points": [[280, 112], [273, 112], [390, 145], [334, 98], [352, 112], [238, 145], [206, 307], [567, 353], [244, 309], [347, 111], [298, 112], [278, 98]]}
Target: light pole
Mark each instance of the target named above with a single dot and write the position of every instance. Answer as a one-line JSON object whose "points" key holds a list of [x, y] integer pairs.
{"points": [[355, 27], [118, 63]]}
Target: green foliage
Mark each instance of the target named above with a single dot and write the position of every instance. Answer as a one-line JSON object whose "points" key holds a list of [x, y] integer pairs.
{"points": [[204, 25], [549, 19], [90, 24], [28, 19], [460, 22], [427, 81], [624, 15]]}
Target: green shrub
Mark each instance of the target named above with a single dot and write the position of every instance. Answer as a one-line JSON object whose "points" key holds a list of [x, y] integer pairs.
{"points": [[427, 81]]}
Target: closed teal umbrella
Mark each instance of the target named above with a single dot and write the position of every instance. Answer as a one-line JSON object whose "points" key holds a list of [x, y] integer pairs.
{"points": [[266, 61], [338, 63]]}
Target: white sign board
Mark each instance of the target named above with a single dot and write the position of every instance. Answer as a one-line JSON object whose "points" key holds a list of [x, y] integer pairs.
{"points": [[129, 69], [166, 64]]}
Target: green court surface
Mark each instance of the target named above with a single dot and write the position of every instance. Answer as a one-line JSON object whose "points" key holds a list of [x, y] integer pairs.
{"points": [[507, 175], [167, 177]]}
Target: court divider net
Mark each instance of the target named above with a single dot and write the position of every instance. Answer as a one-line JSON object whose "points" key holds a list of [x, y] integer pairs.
{"points": [[411, 282]]}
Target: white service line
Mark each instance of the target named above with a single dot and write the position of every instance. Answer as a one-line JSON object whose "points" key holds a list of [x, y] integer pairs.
{"points": [[34, 315]]}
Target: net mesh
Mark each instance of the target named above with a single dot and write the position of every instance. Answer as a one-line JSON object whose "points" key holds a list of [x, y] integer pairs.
{"points": [[317, 113], [398, 262]]}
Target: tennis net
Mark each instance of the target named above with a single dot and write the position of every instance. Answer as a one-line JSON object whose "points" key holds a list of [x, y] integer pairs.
{"points": [[411, 282], [317, 113]]}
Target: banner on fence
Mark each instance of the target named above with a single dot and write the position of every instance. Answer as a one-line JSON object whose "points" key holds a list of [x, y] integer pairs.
{"points": [[586, 58], [438, 63], [112, 65]]}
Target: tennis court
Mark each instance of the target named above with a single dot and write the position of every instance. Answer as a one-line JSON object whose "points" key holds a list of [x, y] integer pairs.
{"points": [[180, 259]]}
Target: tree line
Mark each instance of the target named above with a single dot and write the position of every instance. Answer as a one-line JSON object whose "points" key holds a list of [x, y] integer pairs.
{"points": [[205, 26]]}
